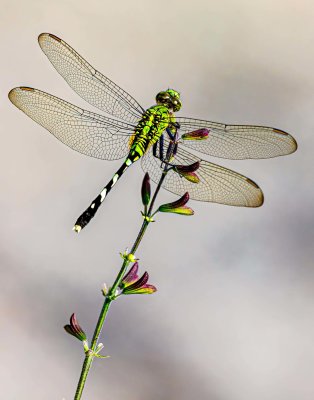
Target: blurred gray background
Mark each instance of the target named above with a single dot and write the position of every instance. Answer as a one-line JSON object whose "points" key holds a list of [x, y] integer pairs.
{"points": [[233, 315]]}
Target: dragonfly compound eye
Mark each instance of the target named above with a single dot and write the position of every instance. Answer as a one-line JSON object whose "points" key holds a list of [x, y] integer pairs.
{"points": [[162, 97], [176, 105]]}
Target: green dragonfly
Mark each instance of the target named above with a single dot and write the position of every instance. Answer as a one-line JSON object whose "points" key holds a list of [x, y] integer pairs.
{"points": [[135, 133]]}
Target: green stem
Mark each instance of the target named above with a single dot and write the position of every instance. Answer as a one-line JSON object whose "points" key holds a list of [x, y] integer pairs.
{"points": [[85, 368], [110, 297]]}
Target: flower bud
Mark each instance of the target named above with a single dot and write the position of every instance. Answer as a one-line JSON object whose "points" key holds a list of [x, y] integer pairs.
{"points": [[131, 257], [130, 277], [178, 207], [75, 329], [146, 190], [188, 171], [128, 256], [144, 289], [104, 289], [199, 134], [99, 347], [132, 284]]}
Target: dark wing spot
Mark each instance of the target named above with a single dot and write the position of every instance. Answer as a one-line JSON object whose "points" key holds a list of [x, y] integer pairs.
{"points": [[280, 132], [26, 88], [55, 37], [252, 183]]}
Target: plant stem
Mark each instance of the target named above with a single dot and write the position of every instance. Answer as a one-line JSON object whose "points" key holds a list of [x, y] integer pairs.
{"points": [[85, 368], [89, 356]]}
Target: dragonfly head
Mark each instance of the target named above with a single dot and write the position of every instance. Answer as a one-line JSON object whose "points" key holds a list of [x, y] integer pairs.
{"points": [[169, 98]]}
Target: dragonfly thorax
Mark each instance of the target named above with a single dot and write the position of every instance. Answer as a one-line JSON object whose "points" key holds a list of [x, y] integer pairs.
{"points": [[169, 98], [149, 129]]}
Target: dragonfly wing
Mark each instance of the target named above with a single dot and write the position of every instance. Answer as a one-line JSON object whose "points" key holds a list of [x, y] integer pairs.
{"points": [[90, 84], [238, 142], [217, 184], [86, 132]]}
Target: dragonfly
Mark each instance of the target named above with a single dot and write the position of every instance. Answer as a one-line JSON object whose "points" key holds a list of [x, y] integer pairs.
{"points": [[135, 133]]}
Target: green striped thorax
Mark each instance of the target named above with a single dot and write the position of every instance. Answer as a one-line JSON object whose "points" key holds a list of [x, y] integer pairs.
{"points": [[154, 122]]}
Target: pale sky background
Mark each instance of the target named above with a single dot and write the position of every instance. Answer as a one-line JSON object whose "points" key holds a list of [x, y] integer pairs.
{"points": [[233, 316]]}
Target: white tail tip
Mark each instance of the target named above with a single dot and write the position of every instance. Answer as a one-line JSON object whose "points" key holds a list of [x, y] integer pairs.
{"points": [[77, 228]]}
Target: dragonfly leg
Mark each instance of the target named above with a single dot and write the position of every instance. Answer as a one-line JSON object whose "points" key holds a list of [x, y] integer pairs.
{"points": [[173, 136], [175, 149], [171, 148], [161, 147], [155, 150], [170, 134], [159, 155]]}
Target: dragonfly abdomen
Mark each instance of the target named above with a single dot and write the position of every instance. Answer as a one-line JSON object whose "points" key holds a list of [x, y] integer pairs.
{"points": [[90, 212]]}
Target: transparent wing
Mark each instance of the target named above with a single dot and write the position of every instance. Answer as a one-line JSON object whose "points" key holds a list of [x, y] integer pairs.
{"points": [[238, 142], [86, 132], [90, 84], [217, 184]]}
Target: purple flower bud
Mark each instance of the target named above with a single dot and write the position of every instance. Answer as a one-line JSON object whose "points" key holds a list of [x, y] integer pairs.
{"points": [[146, 190], [188, 168], [199, 134], [74, 329], [188, 171], [130, 277], [145, 289], [181, 201], [131, 284], [178, 207], [141, 281]]}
